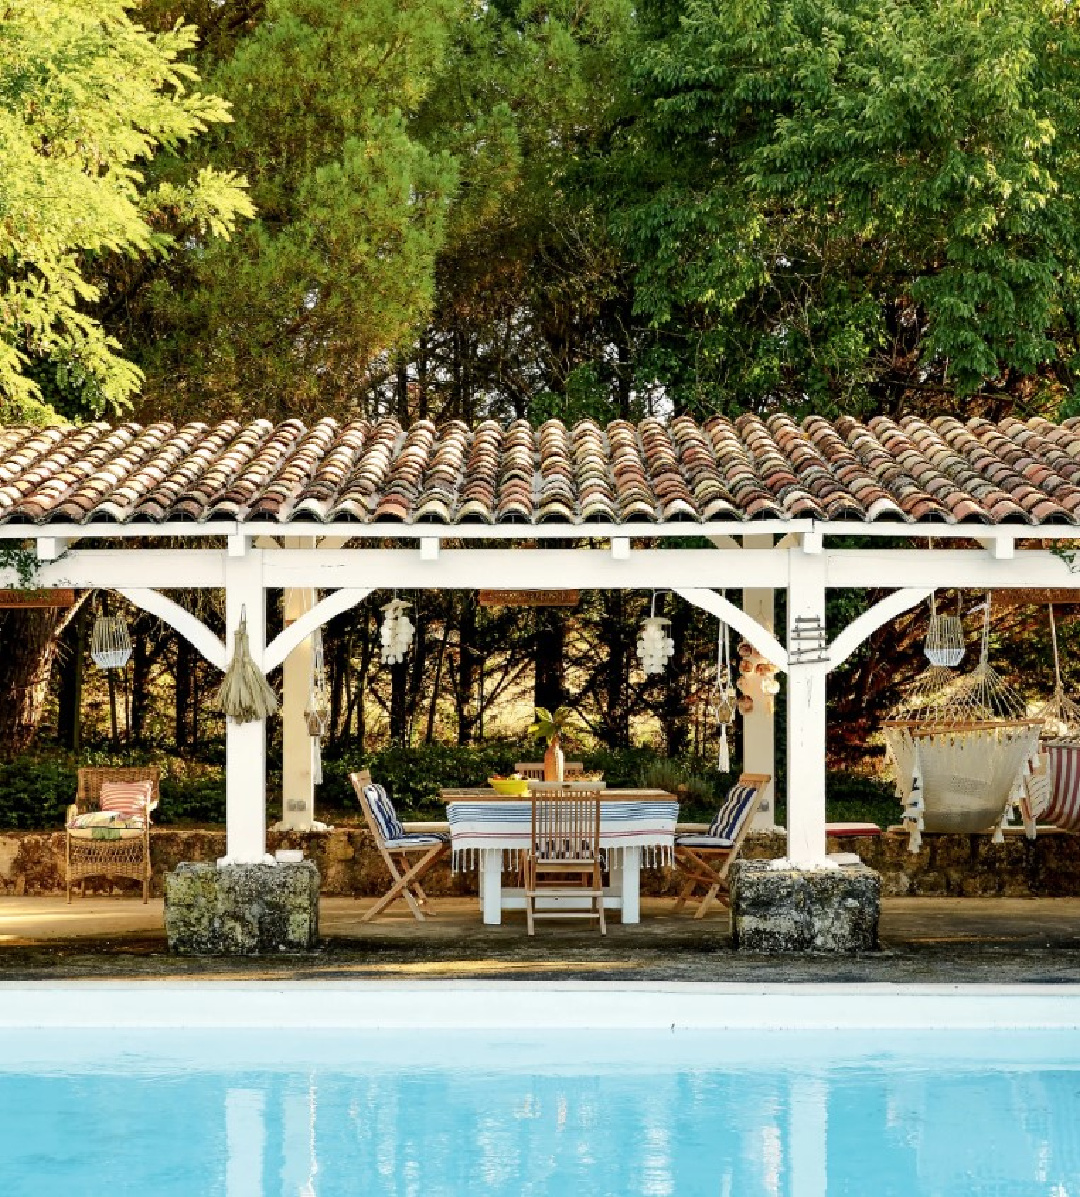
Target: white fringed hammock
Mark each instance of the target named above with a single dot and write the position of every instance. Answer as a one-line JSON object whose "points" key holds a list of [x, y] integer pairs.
{"points": [[962, 749]]}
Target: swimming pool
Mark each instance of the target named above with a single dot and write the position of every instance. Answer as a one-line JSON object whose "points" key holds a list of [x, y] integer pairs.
{"points": [[709, 1103]]}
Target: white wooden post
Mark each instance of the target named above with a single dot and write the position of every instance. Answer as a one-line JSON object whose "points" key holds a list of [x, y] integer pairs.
{"points": [[806, 726], [298, 748], [245, 743], [759, 727]]}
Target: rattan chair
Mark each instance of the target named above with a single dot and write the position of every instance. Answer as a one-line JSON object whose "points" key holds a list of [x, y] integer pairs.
{"points": [[563, 859], [128, 855]]}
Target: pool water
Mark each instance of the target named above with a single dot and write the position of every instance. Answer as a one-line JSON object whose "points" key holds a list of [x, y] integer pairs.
{"points": [[799, 1114]]}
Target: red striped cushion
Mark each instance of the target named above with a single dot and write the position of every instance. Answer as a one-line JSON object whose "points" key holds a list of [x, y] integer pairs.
{"points": [[1064, 808], [129, 798]]}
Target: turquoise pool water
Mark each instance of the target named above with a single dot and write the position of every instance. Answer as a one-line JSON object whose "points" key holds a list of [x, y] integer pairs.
{"points": [[798, 1114]]}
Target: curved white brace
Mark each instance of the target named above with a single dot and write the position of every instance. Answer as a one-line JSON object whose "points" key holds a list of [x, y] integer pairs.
{"points": [[296, 633], [765, 642], [869, 621], [192, 629]]}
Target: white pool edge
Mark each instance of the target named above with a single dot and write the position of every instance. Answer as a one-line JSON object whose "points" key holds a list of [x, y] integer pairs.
{"points": [[530, 1006]]}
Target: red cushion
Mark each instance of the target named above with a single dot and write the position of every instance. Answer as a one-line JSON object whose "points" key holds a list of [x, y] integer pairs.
{"points": [[129, 798]]}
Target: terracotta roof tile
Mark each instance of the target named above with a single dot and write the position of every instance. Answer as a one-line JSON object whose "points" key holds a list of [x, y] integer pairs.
{"points": [[944, 471]]}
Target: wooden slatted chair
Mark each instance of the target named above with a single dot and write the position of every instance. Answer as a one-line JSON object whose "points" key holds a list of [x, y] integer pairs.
{"points": [[398, 848], [706, 855], [534, 770], [563, 860], [107, 851]]}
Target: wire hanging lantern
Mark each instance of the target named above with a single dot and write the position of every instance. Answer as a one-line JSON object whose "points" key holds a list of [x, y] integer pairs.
{"points": [[110, 643], [654, 646], [396, 633], [944, 644]]}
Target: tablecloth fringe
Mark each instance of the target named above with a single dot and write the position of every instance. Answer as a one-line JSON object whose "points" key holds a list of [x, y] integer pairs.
{"points": [[653, 856]]}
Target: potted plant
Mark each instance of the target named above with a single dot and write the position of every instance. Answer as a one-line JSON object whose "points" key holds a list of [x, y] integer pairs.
{"points": [[550, 727]]}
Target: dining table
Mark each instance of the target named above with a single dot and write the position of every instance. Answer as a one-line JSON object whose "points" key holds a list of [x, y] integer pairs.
{"points": [[490, 832]]}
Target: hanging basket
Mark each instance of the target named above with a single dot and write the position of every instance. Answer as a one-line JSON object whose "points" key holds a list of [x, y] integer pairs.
{"points": [[110, 644]]}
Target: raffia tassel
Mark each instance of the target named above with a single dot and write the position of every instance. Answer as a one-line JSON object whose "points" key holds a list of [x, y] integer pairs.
{"points": [[724, 760], [244, 695]]}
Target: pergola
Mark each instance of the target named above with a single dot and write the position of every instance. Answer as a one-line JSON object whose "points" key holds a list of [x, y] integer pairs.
{"points": [[331, 512]]}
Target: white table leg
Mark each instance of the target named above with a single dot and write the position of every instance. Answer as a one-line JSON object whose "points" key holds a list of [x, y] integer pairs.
{"points": [[491, 885], [628, 881]]}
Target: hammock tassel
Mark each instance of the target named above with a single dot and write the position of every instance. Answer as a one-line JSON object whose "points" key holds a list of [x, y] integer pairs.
{"points": [[724, 761], [245, 695]]}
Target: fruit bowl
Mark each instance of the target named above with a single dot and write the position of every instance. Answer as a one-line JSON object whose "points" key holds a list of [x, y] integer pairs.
{"points": [[512, 787]]}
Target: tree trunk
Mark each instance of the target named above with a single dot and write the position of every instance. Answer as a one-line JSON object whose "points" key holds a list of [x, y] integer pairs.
{"points": [[615, 635], [462, 677], [140, 682], [399, 684], [183, 690], [548, 688], [28, 644], [70, 664]]}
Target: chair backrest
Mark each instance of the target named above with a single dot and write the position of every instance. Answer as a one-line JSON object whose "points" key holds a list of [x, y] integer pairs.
{"points": [[733, 819], [534, 770], [566, 825], [91, 778], [379, 813]]}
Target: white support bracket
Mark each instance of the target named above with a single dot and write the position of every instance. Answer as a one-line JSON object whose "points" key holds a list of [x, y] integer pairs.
{"points": [[1001, 548], [429, 548], [51, 548], [298, 631], [813, 542], [191, 628], [238, 545], [620, 548]]}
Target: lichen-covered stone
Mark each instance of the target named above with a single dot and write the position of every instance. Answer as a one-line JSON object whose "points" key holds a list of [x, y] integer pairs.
{"points": [[242, 910], [804, 910]]}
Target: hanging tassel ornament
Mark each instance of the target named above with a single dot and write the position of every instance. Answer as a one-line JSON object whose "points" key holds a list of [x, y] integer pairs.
{"points": [[396, 633], [244, 695], [655, 646]]}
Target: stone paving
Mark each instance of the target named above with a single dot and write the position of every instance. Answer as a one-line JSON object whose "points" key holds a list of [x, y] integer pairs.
{"points": [[997, 940]]}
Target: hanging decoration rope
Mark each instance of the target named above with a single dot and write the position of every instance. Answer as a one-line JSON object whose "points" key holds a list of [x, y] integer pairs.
{"points": [[1060, 715], [944, 644], [654, 646], [110, 644], [317, 715], [396, 633], [724, 704], [244, 695]]}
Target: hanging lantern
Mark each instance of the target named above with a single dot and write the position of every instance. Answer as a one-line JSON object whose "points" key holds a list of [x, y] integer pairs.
{"points": [[317, 715], [654, 645], [110, 644], [944, 644], [396, 633]]}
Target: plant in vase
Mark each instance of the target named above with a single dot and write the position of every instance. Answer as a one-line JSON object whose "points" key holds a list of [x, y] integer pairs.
{"points": [[551, 727]]}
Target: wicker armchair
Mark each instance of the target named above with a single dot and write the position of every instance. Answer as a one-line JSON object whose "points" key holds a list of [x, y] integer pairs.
{"points": [[127, 856]]}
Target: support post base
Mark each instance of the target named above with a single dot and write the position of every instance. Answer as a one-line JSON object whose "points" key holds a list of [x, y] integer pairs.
{"points": [[242, 910], [804, 910]]}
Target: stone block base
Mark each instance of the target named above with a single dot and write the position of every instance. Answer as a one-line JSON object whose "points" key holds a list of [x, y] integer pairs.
{"points": [[242, 910], [804, 910]]}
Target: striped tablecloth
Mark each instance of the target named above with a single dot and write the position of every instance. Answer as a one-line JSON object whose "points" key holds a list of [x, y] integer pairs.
{"points": [[629, 819]]}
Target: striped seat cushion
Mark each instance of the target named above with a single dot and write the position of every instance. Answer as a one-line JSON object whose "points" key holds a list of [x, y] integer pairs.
{"points": [[702, 841], [1064, 808], [419, 839], [730, 815], [129, 799], [382, 811]]}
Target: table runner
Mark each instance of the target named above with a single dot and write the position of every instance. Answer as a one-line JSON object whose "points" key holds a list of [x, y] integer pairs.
{"points": [[648, 825]]}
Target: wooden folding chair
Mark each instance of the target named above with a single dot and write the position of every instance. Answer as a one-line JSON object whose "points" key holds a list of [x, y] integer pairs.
{"points": [[563, 860], [705, 856], [398, 849], [534, 770]]}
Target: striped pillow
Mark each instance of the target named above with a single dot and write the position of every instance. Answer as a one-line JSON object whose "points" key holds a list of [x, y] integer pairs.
{"points": [[730, 815], [128, 798], [382, 811]]}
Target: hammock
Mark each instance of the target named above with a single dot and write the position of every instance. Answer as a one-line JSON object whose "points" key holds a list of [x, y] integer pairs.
{"points": [[1055, 796], [962, 749]]}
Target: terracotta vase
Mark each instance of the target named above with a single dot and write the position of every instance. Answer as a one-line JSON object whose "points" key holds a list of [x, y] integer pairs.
{"points": [[554, 761]]}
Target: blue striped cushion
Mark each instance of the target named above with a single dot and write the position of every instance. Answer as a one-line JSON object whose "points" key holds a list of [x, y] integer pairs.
{"points": [[382, 810], [415, 839], [730, 815]]}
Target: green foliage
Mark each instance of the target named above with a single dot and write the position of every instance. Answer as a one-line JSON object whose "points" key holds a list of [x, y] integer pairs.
{"points": [[827, 203], [87, 97], [549, 724], [35, 791]]}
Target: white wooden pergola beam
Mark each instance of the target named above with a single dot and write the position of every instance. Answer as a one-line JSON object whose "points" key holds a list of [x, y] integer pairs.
{"points": [[191, 628], [868, 623], [113, 569], [969, 569], [300, 629], [735, 617]]}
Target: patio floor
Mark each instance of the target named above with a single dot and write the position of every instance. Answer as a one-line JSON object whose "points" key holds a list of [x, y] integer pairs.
{"points": [[1004, 940]]}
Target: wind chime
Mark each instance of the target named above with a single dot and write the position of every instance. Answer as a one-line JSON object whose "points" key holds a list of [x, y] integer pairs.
{"points": [[110, 644], [724, 704], [654, 646], [396, 633], [317, 715]]}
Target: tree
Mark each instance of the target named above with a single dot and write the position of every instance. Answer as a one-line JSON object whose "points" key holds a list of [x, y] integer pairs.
{"points": [[87, 97], [844, 204]]}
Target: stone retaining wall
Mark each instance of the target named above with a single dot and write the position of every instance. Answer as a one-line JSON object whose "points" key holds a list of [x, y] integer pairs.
{"points": [[958, 865]]}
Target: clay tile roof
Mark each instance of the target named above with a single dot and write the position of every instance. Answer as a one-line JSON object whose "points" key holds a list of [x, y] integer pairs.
{"points": [[946, 470]]}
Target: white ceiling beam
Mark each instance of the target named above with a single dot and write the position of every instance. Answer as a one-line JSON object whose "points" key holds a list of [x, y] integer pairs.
{"points": [[526, 569], [51, 548], [111, 569], [965, 568]]}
